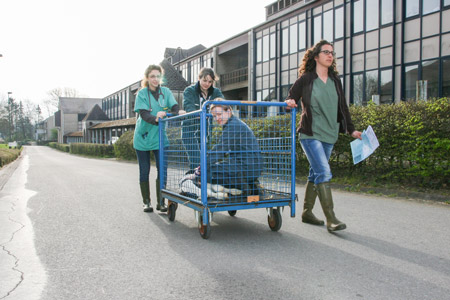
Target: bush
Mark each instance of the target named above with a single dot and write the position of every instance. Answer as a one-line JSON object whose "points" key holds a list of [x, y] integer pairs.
{"points": [[8, 155], [97, 150], [44, 143], [123, 148], [61, 147], [414, 143]]}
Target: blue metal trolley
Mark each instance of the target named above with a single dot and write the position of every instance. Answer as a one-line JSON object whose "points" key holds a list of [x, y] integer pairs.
{"points": [[224, 161]]}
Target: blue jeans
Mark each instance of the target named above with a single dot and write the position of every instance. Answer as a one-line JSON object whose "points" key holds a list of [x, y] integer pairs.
{"points": [[144, 164], [318, 154]]}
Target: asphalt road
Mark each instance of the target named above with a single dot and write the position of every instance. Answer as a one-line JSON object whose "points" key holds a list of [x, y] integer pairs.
{"points": [[73, 228]]}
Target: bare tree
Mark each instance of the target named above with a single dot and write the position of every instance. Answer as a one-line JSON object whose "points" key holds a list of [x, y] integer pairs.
{"points": [[51, 103]]}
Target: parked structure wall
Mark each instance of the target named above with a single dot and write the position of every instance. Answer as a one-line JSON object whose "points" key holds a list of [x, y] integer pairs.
{"points": [[385, 49]]}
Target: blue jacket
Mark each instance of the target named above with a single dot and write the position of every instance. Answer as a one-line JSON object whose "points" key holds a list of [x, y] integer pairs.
{"points": [[239, 148]]}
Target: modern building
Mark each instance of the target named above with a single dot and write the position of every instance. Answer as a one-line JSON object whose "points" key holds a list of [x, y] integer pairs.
{"points": [[386, 50], [120, 104]]}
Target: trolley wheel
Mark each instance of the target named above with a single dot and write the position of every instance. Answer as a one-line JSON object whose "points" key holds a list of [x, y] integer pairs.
{"points": [[232, 213], [204, 230], [275, 220], [171, 211]]}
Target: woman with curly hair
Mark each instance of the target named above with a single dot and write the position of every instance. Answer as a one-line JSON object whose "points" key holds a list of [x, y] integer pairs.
{"points": [[324, 114], [153, 101]]}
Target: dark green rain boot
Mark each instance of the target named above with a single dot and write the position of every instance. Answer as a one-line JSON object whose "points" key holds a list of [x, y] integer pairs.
{"points": [[160, 205], [309, 201], [145, 192], [326, 200]]}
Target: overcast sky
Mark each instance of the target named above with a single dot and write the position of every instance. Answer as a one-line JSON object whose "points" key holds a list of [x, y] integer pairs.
{"points": [[98, 47]]}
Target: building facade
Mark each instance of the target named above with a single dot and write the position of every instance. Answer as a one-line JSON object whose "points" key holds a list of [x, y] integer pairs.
{"points": [[386, 50], [70, 115]]}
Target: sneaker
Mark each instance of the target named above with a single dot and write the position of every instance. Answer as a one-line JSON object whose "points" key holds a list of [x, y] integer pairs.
{"points": [[148, 208]]}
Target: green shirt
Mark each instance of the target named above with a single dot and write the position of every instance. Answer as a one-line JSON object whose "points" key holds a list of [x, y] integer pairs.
{"points": [[324, 108], [146, 135]]}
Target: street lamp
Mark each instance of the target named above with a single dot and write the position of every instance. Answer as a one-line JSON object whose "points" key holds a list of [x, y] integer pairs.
{"points": [[10, 116]]}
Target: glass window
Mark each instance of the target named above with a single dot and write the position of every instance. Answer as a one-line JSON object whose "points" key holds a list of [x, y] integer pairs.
{"points": [[446, 2], [358, 89], [446, 77], [317, 29], [430, 73], [429, 6], [285, 91], [411, 76], [412, 8], [339, 23], [371, 14], [387, 12], [265, 51], [273, 46], [285, 40], [265, 95], [358, 16], [293, 35], [328, 26], [302, 35], [386, 86], [371, 84]]}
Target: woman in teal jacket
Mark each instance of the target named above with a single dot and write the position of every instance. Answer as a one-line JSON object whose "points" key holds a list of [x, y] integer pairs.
{"points": [[193, 98], [152, 103]]}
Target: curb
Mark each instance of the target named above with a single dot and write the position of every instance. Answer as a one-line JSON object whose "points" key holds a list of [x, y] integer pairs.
{"points": [[393, 193]]}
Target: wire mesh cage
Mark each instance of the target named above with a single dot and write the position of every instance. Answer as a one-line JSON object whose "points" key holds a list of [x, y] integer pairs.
{"points": [[243, 157], [230, 155]]}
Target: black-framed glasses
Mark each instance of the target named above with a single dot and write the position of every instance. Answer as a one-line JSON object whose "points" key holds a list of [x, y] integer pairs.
{"points": [[327, 52]]}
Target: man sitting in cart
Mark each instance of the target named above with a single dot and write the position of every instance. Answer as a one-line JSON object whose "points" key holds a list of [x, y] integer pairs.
{"points": [[235, 162]]}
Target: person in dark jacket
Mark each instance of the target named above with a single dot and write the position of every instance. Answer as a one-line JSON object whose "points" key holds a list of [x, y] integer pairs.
{"points": [[324, 114], [152, 103], [193, 98], [236, 160]]}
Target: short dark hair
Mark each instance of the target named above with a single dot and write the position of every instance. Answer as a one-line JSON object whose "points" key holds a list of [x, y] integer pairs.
{"points": [[207, 71]]}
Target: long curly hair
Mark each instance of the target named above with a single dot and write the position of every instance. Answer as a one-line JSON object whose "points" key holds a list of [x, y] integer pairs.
{"points": [[144, 81], [309, 63]]}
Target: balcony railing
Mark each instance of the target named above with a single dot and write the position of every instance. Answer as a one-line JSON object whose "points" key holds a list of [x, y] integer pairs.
{"points": [[237, 76]]}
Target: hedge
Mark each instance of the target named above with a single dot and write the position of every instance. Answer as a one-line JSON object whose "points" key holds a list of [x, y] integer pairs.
{"points": [[97, 150], [8, 155], [61, 147], [414, 143]]}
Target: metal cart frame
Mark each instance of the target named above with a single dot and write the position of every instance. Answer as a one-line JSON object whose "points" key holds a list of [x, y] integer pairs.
{"points": [[203, 207]]}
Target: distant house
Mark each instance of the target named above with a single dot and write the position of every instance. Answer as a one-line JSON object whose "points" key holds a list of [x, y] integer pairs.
{"points": [[74, 137], [109, 132], [95, 116], [71, 114]]}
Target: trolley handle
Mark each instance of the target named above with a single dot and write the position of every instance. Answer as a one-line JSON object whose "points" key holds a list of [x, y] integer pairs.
{"points": [[245, 102]]}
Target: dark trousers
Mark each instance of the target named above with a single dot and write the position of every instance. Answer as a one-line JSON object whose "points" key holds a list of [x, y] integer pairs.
{"points": [[144, 164], [232, 175]]}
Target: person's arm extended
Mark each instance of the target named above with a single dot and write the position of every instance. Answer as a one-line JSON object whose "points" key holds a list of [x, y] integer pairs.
{"points": [[176, 110], [148, 117]]}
